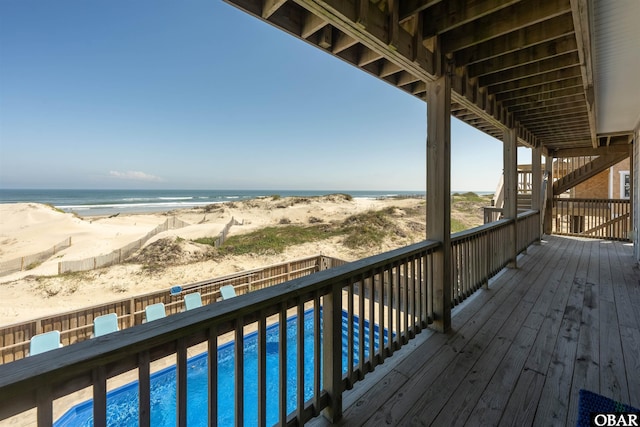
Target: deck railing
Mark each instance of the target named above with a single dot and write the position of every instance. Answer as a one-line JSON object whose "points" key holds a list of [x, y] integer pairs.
{"points": [[77, 325], [598, 218], [391, 292], [480, 253]]}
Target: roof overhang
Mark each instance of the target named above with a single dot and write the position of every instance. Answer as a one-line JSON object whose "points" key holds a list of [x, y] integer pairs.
{"points": [[561, 72]]}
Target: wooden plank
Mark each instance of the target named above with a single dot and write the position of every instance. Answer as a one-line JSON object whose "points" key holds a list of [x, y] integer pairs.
{"points": [[553, 404], [488, 409], [586, 369], [522, 404], [613, 381]]}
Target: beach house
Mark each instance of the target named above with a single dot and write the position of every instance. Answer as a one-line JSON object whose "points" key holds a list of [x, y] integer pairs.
{"points": [[502, 324]]}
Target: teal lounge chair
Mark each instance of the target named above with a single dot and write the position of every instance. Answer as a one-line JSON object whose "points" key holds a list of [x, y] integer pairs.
{"points": [[227, 292], [44, 342], [105, 324], [192, 300], [154, 312]]}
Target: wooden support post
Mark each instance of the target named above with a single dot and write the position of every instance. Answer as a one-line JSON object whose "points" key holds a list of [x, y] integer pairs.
{"points": [[632, 208], [548, 212], [510, 211], [536, 186], [536, 178], [439, 194], [332, 352]]}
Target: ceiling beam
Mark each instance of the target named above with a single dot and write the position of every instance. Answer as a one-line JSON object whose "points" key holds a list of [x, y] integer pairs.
{"points": [[594, 151], [343, 42], [542, 96], [536, 68], [514, 41], [408, 8], [311, 25], [555, 102], [565, 73], [538, 52], [573, 83], [447, 15], [269, 7], [515, 17], [580, 12]]}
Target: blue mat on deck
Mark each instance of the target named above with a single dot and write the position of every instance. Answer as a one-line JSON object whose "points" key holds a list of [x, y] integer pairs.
{"points": [[594, 403]]}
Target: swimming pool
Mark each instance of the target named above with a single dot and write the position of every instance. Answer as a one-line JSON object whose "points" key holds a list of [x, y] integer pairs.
{"points": [[122, 403]]}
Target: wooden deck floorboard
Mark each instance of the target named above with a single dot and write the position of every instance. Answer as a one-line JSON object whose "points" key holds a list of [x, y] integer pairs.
{"points": [[568, 318]]}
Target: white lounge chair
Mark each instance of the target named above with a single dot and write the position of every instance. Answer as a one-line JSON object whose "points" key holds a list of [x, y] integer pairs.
{"points": [[227, 291], [154, 312], [105, 324], [192, 300], [44, 342]]}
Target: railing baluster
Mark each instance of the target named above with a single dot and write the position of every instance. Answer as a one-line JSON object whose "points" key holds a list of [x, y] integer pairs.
{"points": [[300, 361], [381, 318], [361, 334], [212, 373], [99, 397], [181, 383], [398, 293], [371, 286], [144, 389], [282, 363], [317, 354], [350, 333], [45, 405], [390, 318], [262, 370], [239, 371], [405, 297]]}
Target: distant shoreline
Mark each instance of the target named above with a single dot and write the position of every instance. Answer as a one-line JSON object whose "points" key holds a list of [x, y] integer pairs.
{"points": [[90, 203]]}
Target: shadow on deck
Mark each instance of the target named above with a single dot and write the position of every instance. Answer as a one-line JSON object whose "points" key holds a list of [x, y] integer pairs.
{"points": [[518, 354]]}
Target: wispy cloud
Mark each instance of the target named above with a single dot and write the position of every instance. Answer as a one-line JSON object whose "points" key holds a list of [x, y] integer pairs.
{"points": [[135, 176]]}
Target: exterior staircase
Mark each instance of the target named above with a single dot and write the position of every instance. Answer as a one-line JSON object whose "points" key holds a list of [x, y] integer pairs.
{"points": [[594, 167]]}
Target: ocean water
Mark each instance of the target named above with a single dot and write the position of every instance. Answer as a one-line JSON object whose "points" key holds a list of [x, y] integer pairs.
{"points": [[110, 202]]}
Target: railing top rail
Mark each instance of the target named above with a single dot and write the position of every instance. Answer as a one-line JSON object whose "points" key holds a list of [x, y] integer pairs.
{"points": [[571, 199], [23, 377], [465, 234], [527, 213]]}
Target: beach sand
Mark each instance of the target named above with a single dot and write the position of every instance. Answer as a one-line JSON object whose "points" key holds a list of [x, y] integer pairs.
{"points": [[28, 228]]}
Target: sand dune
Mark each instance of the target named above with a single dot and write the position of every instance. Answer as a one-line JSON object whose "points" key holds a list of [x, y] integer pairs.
{"points": [[27, 228]]}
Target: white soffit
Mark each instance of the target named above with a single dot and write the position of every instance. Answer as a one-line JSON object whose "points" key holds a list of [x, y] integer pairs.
{"points": [[616, 44]]}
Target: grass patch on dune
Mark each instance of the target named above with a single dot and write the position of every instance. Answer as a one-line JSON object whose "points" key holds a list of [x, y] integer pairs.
{"points": [[275, 239], [359, 231], [368, 229]]}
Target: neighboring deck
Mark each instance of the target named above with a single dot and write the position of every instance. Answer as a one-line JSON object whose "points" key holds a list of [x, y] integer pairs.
{"points": [[567, 318]]}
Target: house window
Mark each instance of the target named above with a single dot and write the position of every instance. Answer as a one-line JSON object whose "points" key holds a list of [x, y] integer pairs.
{"points": [[625, 184]]}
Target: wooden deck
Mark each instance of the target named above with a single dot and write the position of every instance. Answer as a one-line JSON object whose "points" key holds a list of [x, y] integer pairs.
{"points": [[567, 318]]}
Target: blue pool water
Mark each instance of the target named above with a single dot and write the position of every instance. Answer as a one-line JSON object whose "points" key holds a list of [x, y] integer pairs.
{"points": [[122, 403]]}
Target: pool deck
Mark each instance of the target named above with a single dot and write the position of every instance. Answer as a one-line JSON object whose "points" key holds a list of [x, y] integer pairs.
{"points": [[567, 318]]}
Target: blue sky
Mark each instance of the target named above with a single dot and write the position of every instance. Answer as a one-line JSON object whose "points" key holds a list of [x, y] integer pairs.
{"points": [[199, 95]]}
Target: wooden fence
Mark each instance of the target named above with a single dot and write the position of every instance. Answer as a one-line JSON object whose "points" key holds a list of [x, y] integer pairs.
{"points": [[119, 255], [598, 218], [25, 262], [77, 325]]}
